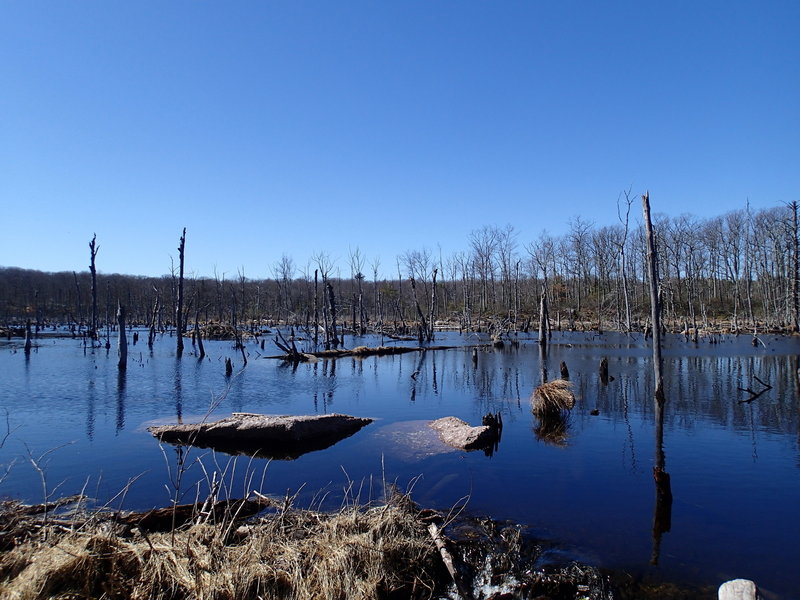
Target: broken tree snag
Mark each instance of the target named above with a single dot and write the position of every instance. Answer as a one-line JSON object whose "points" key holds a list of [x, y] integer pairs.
{"points": [[564, 370], [228, 367], [122, 340], [268, 436], [28, 342], [151, 336], [198, 335], [423, 328], [655, 305], [93, 250], [332, 300], [544, 320], [604, 371], [179, 304]]}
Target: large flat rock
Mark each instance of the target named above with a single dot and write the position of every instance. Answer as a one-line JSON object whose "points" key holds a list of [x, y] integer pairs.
{"points": [[460, 434], [271, 436]]}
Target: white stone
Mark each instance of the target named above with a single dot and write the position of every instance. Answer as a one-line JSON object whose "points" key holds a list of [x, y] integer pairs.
{"points": [[738, 589]]}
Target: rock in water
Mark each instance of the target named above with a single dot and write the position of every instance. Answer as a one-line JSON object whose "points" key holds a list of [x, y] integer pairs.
{"points": [[738, 589], [264, 435], [459, 434]]}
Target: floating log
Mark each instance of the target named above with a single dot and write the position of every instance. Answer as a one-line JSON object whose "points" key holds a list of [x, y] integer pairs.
{"points": [[268, 436], [459, 434]]}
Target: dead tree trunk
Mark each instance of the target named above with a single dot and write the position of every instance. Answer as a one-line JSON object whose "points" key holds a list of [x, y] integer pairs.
{"points": [[795, 268], [28, 342], [544, 320], [79, 305], [332, 300], [655, 306], [93, 249], [423, 332], [122, 340], [152, 334], [179, 307], [197, 333], [432, 314], [316, 310]]}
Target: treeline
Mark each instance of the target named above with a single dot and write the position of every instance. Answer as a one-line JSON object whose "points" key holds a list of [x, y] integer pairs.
{"points": [[740, 269]]}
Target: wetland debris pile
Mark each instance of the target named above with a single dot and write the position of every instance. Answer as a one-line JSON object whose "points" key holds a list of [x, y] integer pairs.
{"points": [[265, 435]]}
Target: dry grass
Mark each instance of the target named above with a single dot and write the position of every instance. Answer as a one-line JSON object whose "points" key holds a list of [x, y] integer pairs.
{"points": [[553, 397], [355, 553]]}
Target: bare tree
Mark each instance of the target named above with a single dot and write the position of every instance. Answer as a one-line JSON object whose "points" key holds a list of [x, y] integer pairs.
{"points": [[93, 249], [179, 305]]}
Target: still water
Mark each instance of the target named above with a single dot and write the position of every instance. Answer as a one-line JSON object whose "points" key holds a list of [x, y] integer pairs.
{"points": [[734, 466]]}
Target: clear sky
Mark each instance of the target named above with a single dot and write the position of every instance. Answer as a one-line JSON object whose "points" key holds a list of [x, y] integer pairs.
{"points": [[297, 127]]}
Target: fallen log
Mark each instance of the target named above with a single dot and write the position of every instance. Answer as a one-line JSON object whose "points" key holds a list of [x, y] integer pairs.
{"points": [[268, 436], [360, 351]]}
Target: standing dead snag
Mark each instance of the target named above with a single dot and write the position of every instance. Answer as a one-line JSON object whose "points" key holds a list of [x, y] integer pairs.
{"points": [[28, 342], [655, 305], [93, 250], [179, 305], [544, 321], [122, 347]]}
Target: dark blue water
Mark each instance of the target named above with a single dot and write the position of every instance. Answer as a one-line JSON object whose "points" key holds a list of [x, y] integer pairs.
{"points": [[735, 467]]}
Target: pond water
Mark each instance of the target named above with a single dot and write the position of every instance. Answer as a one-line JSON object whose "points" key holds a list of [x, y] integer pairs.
{"points": [[734, 466]]}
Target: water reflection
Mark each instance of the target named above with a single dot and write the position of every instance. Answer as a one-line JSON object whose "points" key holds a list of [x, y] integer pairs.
{"points": [[121, 381], [662, 513], [178, 389]]}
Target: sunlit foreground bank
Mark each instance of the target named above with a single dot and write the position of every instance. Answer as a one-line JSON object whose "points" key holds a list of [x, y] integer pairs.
{"points": [[222, 550]]}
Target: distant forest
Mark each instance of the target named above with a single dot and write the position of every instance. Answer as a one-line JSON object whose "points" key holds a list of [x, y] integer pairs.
{"points": [[740, 270]]}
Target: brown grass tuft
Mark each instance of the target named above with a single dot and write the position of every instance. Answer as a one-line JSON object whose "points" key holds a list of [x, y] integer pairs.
{"points": [[553, 397], [297, 554]]}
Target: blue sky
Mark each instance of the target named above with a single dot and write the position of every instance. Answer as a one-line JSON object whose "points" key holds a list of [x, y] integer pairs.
{"points": [[298, 127]]}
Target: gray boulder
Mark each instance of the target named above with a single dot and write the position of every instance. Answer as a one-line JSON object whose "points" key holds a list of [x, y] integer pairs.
{"points": [[269, 436]]}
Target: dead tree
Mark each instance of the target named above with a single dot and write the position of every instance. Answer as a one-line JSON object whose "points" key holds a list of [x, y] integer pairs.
{"points": [[156, 307], [655, 306], [334, 339], [795, 267], [179, 306], [544, 321], [28, 342], [423, 331], [79, 305], [122, 347], [93, 249], [198, 334]]}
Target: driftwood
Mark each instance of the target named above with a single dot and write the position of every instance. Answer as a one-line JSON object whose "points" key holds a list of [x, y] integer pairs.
{"points": [[269, 436], [449, 562]]}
